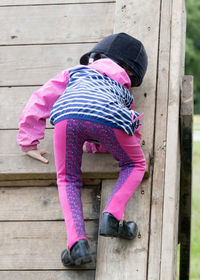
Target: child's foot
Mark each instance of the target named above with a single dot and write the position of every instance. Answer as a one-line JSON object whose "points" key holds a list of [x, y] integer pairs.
{"points": [[78, 254], [111, 227]]}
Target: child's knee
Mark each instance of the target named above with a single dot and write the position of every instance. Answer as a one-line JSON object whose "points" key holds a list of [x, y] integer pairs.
{"points": [[141, 164], [144, 164]]}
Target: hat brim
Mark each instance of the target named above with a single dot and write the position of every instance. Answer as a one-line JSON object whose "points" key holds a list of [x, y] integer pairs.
{"points": [[85, 58]]}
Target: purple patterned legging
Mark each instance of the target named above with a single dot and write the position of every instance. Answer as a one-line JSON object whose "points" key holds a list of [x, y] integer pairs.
{"points": [[69, 137]]}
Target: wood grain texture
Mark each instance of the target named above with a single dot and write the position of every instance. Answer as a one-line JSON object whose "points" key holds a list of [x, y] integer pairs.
{"points": [[48, 275], [187, 97], [155, 241], [44, 63], [42, 203], [46, 183], [55, 23], [48, 2], [172, 170], [38, 245], [125, 259], [183, 38], [144, 25], [9, 116]]}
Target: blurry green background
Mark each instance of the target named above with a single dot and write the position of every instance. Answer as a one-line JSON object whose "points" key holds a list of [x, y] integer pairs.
{"points": [[192, 59], [195, 249], [192, 67]]}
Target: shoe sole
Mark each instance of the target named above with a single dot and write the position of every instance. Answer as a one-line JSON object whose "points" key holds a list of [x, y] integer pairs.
{"points": [[83, 260], [78, 261], [117, 236], [105, 232]]}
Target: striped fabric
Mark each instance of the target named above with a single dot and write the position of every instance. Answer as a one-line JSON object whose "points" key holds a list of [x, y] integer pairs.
{"points": [[91, 96]]}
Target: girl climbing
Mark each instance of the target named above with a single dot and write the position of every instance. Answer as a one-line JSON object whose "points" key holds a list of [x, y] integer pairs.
{"points": [[90, 102]]}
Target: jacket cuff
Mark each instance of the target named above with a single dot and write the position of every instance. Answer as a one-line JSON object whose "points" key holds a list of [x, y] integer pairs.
{"points": [[28, 148], [94, 148]]}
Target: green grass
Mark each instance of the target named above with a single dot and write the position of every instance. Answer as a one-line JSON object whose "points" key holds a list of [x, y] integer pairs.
{"points": [[195, 242], [196, 119]]}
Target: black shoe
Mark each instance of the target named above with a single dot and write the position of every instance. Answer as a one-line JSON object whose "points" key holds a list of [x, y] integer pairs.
{"points": [[78, 254], [111, 227]]}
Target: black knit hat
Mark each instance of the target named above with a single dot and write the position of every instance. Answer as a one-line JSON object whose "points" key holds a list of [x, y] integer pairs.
{"points": [[123, 49]]}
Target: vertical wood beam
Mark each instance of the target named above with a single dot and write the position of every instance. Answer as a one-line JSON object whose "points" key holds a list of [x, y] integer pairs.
{"points": [[160, 138], [186, 123], [172, 171], [121, 259]]}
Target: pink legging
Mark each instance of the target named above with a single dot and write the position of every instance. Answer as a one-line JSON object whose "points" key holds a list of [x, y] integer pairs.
{"points": [[69, 137]]}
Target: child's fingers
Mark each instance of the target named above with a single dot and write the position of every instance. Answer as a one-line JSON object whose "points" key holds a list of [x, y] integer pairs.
{"points": [[43, 159], [84, 148], [43, 152], [36, 154]]}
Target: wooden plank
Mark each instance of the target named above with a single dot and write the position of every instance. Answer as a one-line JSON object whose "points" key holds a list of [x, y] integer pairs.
{"points": [[13, 161], [38, 245], [94, 166], [15, 165], [8, 97], [55, 23], [115, 256], [142, 23], [42, 203], [183, 39], [29, 183], [172, 173], [48, 2], [41, 183], [187, 97], [48, 275], [22, 167], [185, 209], [45, 61], [156, 222]]}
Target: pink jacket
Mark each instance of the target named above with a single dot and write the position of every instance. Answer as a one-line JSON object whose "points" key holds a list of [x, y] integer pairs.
{"points": [[32, 122]]}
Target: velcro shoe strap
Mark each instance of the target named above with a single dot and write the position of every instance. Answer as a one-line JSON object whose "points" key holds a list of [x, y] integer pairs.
{"points": [[121, 227]]}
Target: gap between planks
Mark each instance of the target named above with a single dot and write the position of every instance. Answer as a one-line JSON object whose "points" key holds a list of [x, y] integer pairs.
{"points": [[49, 44], [91, 2]]}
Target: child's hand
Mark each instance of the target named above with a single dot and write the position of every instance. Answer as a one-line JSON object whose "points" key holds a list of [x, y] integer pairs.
{"points": [[37, 154]]}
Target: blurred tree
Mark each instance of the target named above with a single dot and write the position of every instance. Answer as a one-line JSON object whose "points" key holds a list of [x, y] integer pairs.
{"points": [[192, 59]]}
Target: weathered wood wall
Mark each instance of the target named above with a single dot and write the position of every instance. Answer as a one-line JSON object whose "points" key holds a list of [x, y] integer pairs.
{"points": [[38, 39]]}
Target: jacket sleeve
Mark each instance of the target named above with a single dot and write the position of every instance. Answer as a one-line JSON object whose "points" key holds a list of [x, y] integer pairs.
{"points": [[32, 122]]}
